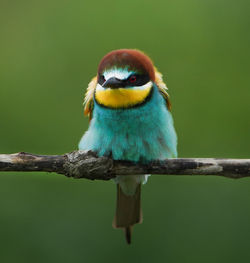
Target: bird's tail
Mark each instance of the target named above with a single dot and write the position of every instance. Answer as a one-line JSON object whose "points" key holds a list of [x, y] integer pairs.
{"points": [[128, 211]]}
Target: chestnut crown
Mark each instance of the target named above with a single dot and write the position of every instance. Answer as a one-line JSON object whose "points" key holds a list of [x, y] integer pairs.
{"points": [[130, 59]]}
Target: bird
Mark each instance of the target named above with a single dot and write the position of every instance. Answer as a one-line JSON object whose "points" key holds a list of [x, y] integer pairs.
{"points": [[129, 110]]}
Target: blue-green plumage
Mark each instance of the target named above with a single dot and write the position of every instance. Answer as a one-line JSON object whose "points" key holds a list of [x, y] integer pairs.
{"points": [[142, 133]]}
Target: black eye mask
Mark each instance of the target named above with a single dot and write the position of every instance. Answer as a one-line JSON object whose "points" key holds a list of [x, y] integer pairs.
{"points": [[132, 81]]}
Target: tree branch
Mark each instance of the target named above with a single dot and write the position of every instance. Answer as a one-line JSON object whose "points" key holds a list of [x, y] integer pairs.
{"points": [[85, 164]]}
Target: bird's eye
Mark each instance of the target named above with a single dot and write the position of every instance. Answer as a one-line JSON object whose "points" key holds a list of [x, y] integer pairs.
{"points": [[101, 79], [132, 79]]}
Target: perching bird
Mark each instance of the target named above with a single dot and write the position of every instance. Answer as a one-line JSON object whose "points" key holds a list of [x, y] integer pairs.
{"points": [[129, 111]]}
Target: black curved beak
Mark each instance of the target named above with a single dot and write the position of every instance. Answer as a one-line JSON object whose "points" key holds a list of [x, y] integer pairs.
{"points": [[113, 83]]}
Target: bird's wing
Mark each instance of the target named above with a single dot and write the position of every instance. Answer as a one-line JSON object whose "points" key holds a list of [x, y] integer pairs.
{"points": [[162, 88], [89, 98]]}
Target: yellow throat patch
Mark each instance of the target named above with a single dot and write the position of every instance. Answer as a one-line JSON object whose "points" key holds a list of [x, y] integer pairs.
{"points": [[122, 97]]}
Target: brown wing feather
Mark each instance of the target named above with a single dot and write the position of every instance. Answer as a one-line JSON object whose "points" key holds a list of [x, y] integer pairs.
{"points": [[162, 88], [89, 98]]}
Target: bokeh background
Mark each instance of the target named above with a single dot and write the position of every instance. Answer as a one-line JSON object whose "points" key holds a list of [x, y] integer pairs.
{"points": [[49, 51]]}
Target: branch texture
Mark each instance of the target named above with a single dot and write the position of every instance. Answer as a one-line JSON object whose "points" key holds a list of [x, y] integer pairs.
{"points": [[85, 164]]}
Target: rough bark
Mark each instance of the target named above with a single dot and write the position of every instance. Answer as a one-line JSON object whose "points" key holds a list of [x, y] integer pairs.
{"points": [[85, 164]]}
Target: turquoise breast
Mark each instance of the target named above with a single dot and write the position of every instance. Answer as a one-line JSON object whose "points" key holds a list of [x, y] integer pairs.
{"points": [[142, 133]]}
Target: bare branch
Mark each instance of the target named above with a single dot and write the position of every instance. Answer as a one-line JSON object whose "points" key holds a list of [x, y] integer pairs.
{"points": [[85, 164]]}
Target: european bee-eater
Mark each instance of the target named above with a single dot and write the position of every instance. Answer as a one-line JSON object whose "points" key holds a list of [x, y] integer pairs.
{"points": [[130, 119]]}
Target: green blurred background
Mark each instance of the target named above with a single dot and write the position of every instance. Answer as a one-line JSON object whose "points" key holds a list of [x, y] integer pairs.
{"points": [[49, 51]]}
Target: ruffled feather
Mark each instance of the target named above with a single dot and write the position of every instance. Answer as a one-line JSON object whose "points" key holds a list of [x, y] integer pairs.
{"points": [[89, 98], [162, 88]]}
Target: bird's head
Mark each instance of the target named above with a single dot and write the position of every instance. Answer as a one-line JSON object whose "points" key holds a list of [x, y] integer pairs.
{"points": [[125, 79]]}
